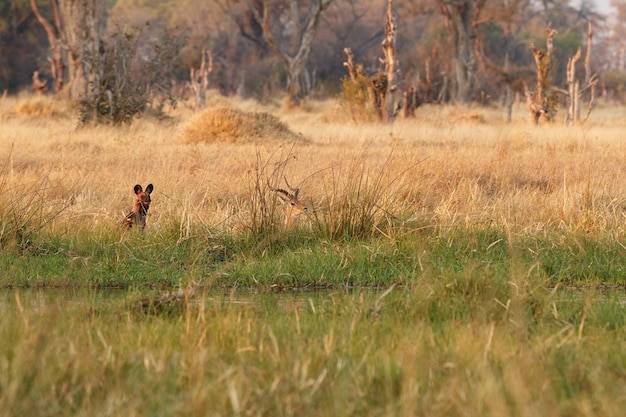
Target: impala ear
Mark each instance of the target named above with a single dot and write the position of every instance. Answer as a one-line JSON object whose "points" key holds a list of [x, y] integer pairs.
{"points": [[138, 189], [149, 188]]}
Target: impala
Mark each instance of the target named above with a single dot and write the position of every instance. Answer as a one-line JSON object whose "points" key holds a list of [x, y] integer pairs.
{"points": [[140, 208], [292, 206]]}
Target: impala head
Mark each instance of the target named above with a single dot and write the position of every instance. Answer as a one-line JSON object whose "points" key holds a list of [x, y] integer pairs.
{"points": [[293, 207], [140, 208]]}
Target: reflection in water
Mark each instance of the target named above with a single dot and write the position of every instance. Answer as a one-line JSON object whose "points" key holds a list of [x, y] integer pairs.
{"points": [[40, 301]]}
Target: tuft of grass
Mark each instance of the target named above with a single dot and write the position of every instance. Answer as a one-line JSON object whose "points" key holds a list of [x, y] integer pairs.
{"points": [[578, 260], [41, 107], [362, 200], [25, 210]]}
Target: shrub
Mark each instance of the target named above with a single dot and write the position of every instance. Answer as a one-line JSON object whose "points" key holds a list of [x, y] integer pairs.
{"points": [[364, 96], [134, 77]]}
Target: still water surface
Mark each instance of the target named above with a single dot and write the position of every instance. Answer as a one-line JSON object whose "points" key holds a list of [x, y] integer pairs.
{"points": [[42, 300], [39, 300]]}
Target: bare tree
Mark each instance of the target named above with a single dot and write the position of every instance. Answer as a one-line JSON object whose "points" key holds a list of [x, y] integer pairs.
{"points": [[54, 34], [303, 29], [591, 80], [541, 104], [200, 78], [390, 63], [75, 43], [575, 92], [461, 19]]}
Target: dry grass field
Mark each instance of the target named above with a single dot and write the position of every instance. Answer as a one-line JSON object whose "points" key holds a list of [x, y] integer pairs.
{"points": [[447, 167], [446, 247]]}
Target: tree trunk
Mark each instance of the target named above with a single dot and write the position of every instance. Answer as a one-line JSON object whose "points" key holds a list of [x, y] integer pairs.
{"points": [[460, 16], [572, 90], [464, 63], [82, 22], [295, 69], [349, 64]]}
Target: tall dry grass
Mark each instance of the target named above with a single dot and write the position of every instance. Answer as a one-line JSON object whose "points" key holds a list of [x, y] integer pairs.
{"points": [[473, 331], [448, 167], [366, 353]]}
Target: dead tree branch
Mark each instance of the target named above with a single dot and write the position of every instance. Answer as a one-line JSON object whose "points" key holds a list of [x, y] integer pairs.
{"points": [[57, 62], [200, 78], [540, 104], [39, 86], [573, 87], [591, 80], [390, 63]]}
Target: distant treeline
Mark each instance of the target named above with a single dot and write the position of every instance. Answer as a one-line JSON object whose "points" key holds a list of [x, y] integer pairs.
{"points": [[242, 62]]}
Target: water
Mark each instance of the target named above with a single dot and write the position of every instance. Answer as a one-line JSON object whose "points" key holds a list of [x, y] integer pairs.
{"points": [[42, 300]]}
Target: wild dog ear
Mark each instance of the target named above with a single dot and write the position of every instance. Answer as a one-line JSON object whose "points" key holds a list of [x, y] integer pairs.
{"points": [[149, 188], [138, 189]]}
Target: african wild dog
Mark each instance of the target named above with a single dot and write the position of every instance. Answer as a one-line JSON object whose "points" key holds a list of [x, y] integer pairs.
{"points": [[140, 208]]}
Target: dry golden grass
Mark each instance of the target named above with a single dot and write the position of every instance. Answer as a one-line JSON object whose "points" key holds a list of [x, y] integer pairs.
{"points": [[35, 107], [227, 124], [449, 166]]}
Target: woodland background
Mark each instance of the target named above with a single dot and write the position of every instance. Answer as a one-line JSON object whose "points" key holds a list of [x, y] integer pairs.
{"points": [[242, 63]]}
